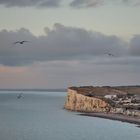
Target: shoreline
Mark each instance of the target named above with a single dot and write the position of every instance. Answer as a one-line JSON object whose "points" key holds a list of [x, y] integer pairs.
{"points": [[117, 117]]}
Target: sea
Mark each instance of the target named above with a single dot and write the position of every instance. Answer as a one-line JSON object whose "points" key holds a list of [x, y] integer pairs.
{"points": [[40, 115]]}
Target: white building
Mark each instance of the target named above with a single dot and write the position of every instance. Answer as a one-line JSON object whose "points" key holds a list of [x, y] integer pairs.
{"points": [[110, 96]]}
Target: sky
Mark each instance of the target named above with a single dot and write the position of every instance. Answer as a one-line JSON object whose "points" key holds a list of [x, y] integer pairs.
{"points": [[69, 43]]}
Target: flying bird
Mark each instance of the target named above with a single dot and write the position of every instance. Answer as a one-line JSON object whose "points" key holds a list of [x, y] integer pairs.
{"points": [[20, 42], [109, 54], [19, 96]]}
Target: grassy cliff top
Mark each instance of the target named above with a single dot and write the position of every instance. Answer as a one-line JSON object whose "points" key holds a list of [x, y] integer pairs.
{"points": [[92, 90]]}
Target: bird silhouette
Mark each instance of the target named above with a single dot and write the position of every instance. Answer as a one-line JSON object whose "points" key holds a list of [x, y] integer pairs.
{"points": [[20, 42], [109, 54], [19, 95]]}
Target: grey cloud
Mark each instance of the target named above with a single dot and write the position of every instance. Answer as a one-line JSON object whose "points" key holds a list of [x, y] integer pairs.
{"points": [[135, 45], [132, 2], [86, 3], [119, 61], [59, 43], [78, 73], [27, 3], [126, 1], [57, 3], [95, 3], [50, 3], [80, 41]]}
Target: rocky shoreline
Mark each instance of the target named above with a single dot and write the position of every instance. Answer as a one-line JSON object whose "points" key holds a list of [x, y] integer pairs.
{"points": [[117, 117]]}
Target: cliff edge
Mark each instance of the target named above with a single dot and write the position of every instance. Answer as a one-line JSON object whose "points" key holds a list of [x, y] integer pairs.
{"points": [[119, 100], [81, 101]]}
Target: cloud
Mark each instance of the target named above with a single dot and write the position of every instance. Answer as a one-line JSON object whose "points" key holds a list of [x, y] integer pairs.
{"points": [[96, 3], [65, 73], [135, 45], [67, 56], [86, 3], [57, 3], [27, 3], [59, 43], [132, 2], [81, 72]]}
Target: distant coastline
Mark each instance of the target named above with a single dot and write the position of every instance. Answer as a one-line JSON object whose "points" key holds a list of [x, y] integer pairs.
{"points": [[120, 103]]}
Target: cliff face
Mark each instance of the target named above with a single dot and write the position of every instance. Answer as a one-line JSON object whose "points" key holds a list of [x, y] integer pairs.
{"points": [[82, 103]]}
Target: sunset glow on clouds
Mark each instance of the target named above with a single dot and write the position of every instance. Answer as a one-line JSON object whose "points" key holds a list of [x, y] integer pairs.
{"points": [[71, 50]]}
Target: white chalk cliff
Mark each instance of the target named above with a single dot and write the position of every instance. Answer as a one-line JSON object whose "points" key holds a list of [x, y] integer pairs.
{"points": [[82, 103]]}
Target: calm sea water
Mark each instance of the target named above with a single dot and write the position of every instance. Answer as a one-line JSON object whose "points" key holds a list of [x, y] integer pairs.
{"points": [[40, 116]]}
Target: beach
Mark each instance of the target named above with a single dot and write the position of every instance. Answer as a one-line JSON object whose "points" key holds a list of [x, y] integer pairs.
{"points": [[111, 116]]}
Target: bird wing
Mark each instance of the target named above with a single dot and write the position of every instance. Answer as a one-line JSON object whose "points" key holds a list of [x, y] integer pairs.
{"points": [[109, 54], [24, 41], [16, 42]]}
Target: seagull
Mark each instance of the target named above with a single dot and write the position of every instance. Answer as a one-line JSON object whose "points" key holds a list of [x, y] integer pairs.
{"points": [[20, 42], [109, 54], [19, 95]]}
